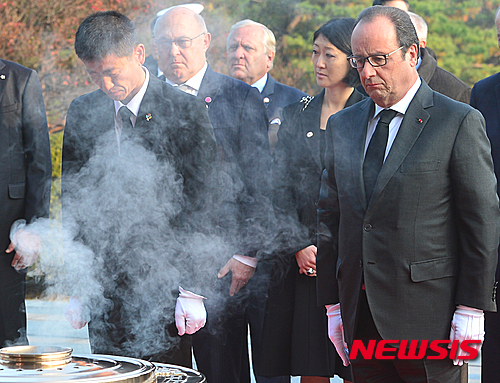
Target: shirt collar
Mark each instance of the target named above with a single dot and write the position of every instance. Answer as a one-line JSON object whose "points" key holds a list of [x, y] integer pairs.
{"points": [[260, 83], [135, 103], [402, 105], [195, 81]]}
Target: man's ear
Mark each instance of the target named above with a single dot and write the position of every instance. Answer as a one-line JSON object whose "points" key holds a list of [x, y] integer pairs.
{"points": [[207, 38], [140, 53], [413, 55], [270, 58]]}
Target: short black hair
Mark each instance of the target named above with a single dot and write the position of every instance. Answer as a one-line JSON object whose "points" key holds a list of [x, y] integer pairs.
{"points": [[338, 32], [105, 33], [406, 35], [382, 2]]}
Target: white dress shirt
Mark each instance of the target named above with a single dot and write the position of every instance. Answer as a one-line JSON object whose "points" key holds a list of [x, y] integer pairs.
{"points": [[401, 107], [194, 83]]}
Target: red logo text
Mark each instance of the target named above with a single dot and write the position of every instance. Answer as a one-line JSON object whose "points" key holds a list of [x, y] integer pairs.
{"points": [[391, 349]]}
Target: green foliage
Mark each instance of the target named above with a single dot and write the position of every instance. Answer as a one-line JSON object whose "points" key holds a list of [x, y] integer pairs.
{"points": [[56, 140], [40, 35]]}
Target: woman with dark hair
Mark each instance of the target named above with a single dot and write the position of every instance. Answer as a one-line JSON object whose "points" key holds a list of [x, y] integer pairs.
{"points": [[295, 335]]}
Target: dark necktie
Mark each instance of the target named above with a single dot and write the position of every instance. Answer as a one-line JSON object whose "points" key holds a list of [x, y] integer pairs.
{"points": [[374, 158], [125, 114]]}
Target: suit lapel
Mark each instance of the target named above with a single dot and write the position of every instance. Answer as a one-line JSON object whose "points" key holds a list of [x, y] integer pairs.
{"points": [[413, 123], [497, 94], [3, 79], [310, 120], [209, 88], [146, 115], [268, 91], [358, 138]]}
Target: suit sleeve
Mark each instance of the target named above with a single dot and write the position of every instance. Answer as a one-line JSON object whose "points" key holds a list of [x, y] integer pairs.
{"points": [[478, 215], [328, 227], [36, 150], [473, 101]]}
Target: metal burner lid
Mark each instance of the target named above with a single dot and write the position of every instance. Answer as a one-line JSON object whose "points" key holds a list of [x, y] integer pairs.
{"points": [[35, 364]]}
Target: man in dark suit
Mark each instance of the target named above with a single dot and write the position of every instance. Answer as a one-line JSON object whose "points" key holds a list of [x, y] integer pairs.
{"points": [[486, 98], [251, 48], [240, 124], [436, 77], [133, 110], [408, 211], [25, 178]]}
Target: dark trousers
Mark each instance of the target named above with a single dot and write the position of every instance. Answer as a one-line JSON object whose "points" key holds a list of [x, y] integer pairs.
{"points": [[110, 335], [396, 370], [221, 348], [490, 352], [12, 310]]}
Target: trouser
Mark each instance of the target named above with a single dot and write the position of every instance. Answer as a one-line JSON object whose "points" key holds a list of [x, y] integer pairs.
{"points": [[109, 334], [221, 348], [396, 370], [12, 310], [490, 352]]}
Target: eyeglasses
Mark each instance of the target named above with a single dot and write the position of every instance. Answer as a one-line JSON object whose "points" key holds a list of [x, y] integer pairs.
{"points": [[374, 60], [181, 42]]}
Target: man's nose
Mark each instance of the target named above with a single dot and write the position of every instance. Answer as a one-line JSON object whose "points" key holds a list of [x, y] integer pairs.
{"points": [[174, 49], [106, 83], [367, 71], [240, 52]]}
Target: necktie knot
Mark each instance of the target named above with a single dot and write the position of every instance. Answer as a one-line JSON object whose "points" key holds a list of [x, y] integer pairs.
{"points": [[186, 88], [125, 115], [386, 116]]}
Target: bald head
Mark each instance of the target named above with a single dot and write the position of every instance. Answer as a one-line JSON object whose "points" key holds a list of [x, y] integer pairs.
{"points": [[182, 41], [421, 28]]}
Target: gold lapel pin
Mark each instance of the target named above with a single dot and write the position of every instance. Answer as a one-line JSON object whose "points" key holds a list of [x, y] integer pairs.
{"points": [[148, 116]]}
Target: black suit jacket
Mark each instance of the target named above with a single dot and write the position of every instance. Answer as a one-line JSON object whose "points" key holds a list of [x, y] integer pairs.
{"points": [[275, 97], [172, 125], [297, 165], [25, 159], [427, 240], [240, 125], [441, 80], [486, 98]]}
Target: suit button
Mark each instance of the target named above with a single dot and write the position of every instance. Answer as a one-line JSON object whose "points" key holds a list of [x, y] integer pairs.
{"points": [[367, 227], [360, 263]]}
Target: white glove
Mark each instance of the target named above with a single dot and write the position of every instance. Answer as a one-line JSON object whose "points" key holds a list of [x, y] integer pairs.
{"points": [[190, 313], [467, 324], [25, 243], [336, 331], [74, 314]]}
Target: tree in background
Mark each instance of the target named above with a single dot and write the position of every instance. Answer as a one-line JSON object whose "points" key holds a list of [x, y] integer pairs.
{"points": [[40, 35]]}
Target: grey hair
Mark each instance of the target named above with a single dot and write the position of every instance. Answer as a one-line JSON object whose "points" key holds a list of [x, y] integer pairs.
{"points": [[269, 38], [420, 25]]}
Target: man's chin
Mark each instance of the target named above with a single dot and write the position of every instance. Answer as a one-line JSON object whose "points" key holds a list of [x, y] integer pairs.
{"points": [[237, 73], [116, 96]]}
